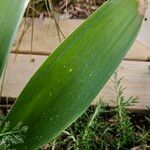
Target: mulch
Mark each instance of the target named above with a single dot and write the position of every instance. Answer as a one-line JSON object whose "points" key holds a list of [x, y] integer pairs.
{"points": [[77, 9]]}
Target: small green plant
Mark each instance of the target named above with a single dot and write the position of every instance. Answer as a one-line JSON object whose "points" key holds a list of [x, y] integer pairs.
{"points": [[9, 138], [123, 125]]}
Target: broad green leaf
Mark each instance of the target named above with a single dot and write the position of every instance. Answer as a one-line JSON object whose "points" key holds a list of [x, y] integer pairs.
{"points": [[11, 12], [73, 75]]}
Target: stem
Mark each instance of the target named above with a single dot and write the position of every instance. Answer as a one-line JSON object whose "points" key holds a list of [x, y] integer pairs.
{"points": [[9, 133], [91, 121]]}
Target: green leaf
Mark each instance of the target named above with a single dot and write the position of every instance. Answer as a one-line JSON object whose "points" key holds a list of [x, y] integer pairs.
{"points": [[11, 12], [73, 75]]}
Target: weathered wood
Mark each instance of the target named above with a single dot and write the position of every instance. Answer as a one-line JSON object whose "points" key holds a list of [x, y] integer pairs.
{"points": [[46, 39], [136, 78], [144, 35], [45, 35]]}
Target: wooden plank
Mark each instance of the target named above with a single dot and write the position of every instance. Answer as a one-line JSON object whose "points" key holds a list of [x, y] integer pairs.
{"points": [[46, 39], [45, 35], [136, 78], [138, 52], [144, 35]]}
